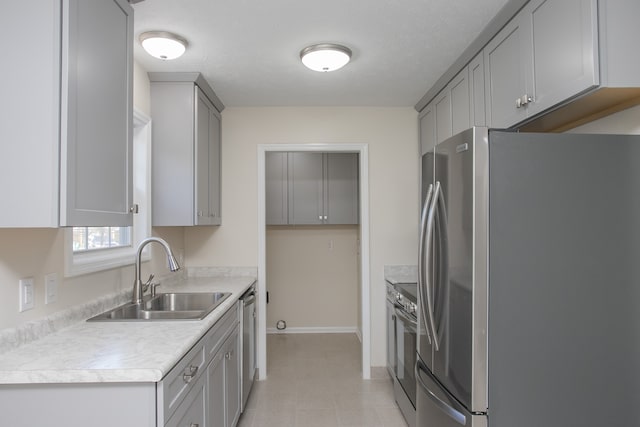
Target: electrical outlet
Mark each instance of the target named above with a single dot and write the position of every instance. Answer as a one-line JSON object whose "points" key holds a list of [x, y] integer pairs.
{"points": [[27, 294], [50, 288]]}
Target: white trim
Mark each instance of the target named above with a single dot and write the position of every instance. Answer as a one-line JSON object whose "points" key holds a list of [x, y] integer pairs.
{"points": [[315, 330], [365, 332], [91, 262]]}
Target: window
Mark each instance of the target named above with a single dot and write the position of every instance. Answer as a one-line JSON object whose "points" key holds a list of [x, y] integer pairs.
{"points": [[91, 249], [97, 238]]}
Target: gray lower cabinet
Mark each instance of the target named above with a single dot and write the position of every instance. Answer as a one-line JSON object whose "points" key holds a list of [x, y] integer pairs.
{"points": [[186, 151], [224, 384], [204, 386], [66, 114], [191, 412], [310, 188]]}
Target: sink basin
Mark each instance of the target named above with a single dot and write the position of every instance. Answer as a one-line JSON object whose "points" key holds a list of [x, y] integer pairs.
{"points": [[169, 306], [185, 302]]}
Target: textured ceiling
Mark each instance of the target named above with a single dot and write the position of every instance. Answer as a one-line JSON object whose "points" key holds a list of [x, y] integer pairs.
{"points": [[248, 50]]}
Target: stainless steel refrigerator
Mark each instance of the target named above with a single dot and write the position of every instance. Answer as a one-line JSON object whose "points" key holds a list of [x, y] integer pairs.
{"points": [[529, 281]]}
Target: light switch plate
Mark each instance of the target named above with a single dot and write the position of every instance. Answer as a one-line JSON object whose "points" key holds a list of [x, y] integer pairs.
{"points": [[50, 288], [27, 294]]}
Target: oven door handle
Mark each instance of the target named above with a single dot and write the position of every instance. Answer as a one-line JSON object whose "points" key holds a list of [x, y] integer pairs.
{"points": [[405, 317]]}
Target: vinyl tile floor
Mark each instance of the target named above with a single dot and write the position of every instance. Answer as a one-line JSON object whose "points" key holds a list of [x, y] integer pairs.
{"points": [[314, 380]]}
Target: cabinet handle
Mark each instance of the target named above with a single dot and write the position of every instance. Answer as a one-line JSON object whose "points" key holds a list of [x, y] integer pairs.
{"points": [[523, 100], [199, 213], [134, 209], [193, 370], [228, 355]]}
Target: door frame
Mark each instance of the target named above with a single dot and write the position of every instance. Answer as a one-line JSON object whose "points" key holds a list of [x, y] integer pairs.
{"points": [[363, 159]]}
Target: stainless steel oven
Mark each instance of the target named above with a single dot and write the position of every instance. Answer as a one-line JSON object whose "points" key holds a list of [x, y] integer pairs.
{"points": [[401, 304]]}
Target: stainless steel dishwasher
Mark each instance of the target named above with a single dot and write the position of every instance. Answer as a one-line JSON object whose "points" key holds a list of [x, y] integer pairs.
{"points": [[248, 325]]}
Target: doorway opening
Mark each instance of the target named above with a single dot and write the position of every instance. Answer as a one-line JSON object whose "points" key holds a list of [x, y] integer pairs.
{"points": [[363, 323]]}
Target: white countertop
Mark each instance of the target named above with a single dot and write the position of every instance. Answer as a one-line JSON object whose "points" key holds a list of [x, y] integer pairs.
{"points": [[94, 352], [396, 274]]}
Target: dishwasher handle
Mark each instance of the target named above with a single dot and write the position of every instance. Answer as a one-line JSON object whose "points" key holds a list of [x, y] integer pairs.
{"points": [[249, 299]]}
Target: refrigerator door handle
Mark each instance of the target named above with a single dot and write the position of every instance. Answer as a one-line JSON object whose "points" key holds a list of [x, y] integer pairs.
{"points": [[422, 277], [454, 414], [443, 228], [429, 235]]}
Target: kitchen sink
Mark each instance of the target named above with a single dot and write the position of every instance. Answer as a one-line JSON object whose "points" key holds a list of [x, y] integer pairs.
{"points": [[166, 306]]}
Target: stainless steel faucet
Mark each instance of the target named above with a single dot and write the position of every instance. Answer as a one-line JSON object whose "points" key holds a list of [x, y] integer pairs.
{"points": [[138, 287]]}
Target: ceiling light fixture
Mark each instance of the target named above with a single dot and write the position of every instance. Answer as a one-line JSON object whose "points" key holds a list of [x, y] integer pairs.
{"points": [[163, 45], [325, 57]]}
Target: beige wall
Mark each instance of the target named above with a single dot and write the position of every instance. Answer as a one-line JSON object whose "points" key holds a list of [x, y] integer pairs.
{"points": [[312, 276], [392, 136]]}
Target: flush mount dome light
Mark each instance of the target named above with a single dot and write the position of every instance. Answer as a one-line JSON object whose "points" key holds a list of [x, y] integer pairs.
{"points": [[163, 45], [325, 57]]}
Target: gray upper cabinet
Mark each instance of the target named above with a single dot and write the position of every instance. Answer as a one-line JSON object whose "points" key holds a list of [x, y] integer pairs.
{"points": [[427, 129], [460, 102], [306, 189], [186, 150], [506, 63], [477, 115], [70, 156], [276, 188], [341, 188], [548, 53], [448, 113], [309, 188]]}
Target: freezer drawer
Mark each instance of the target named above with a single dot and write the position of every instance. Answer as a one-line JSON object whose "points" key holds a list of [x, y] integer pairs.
{"points": [[437, 408]]}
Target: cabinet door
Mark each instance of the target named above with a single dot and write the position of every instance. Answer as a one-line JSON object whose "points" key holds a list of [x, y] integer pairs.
{"points": [[97, 113], [215, 164], [565, 50], [173, 153], [191, 411], [442, 105], [476, 91], [341, 188], [276, 188], [305, 188], [427, 129], [232, 378], [206, 157], [460, 101], [216, 396], [507, 60]]}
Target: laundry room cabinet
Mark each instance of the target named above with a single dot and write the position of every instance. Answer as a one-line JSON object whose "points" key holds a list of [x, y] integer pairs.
{"points": [[66, 113], [311, 188], [186, 119]]}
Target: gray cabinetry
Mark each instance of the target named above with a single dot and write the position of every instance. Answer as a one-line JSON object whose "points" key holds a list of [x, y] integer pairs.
{"points": [[224, 384], [546, 54], [186, 150], [68, 155], [306, 188], [448, 113], [476, 91], [427, 129], [311, 188], [192, 410], [276, 188]]}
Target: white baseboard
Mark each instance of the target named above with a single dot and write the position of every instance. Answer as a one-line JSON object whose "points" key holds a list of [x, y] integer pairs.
{"points": [[315, 330]]}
